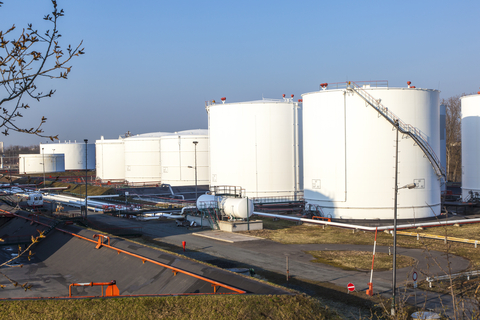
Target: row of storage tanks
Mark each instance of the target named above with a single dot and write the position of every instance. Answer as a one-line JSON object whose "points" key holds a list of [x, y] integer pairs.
{"points": [[332, 147], [161, 157]]}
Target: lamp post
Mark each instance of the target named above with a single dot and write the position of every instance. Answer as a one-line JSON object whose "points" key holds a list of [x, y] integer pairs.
{"points": [[408, 186], [43, 162], [196, 195], [54, 159], [86, 177]]}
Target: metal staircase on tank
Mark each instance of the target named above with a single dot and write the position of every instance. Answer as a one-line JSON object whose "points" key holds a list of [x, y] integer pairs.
{"points": [[404, 128]]}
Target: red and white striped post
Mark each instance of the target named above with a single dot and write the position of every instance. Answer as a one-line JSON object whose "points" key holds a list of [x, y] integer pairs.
{"points": [[370, 284]]}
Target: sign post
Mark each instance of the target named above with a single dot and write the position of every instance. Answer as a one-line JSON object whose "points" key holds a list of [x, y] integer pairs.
{"points": [[415, 276]]}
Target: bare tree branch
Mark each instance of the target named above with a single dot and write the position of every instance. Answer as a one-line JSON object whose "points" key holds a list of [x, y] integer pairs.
{"points": [[27, 57]]}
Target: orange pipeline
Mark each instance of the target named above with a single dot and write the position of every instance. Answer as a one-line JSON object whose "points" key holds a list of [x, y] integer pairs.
{"points": [[175, 270]]}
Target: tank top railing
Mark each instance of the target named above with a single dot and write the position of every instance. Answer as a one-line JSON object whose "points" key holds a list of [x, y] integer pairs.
{"points": [[419, 138]]}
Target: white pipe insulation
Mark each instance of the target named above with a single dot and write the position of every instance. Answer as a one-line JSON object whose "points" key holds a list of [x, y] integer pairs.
{"points": [[360, 227]]}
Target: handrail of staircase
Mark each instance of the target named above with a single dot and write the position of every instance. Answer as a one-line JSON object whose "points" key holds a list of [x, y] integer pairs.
{"points": [[408, 129]]}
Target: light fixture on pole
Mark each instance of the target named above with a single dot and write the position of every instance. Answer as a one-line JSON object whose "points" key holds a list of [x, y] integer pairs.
{"points": [[196, 191], [86, 176], [408, 186], [43, 162]]}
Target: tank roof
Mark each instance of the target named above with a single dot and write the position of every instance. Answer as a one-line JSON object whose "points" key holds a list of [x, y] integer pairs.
{"points": [[470, 96], [195, 132], [372, 88]]}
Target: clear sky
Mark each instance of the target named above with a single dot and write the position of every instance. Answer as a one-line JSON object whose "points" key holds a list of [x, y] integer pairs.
{"points": [[150, 65]]}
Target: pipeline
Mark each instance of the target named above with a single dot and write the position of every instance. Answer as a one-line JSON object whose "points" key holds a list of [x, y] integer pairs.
{"points": [[366, 228], [175, 270]]}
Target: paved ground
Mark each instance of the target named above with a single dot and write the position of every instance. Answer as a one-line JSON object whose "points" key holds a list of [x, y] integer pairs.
{"points": [[271, 256], [61, 259], [233, 251], [225, 236]]}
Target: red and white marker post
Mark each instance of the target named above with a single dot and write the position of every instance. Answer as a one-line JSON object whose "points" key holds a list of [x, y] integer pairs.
{"points": [[370, 284]]}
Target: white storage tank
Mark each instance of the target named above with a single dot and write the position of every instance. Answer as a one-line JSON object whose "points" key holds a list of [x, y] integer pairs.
{"points": [[177, 158], [349, 152], [255, 145], [74, 153], [110, 159], [142, 157], [470, 145], [40, 163]]}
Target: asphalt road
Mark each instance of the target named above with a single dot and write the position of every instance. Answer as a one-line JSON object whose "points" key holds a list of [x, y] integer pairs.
{"points": [[262, 254], [271, 256], [61, 259]]}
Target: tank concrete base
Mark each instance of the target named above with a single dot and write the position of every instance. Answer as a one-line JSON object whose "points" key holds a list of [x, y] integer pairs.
{"points": [[235, 226], [200, 221], [229, 226]]}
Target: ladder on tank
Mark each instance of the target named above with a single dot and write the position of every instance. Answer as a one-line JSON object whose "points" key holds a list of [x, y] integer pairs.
{"points": [[404, 128]]}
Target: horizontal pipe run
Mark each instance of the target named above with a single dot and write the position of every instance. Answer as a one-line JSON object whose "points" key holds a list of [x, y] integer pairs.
{"points": [[360, 227], [144, 259]]}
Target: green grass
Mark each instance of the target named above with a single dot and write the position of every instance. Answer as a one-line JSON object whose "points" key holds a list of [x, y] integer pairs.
{"points": [[183, 307]]}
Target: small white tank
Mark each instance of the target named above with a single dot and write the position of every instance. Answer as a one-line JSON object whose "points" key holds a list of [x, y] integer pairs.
{"points": [[240, 208]]}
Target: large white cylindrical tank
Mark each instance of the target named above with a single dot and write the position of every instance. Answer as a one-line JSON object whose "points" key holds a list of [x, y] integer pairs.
{"points": [[470, 145], [110, 159], [40, 163], [255, 145], [178, 152], [349, 153], [142, 157], [74, 154]]}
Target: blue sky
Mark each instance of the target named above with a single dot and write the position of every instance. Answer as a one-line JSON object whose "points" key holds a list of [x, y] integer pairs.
{"points": [[151, 65]]}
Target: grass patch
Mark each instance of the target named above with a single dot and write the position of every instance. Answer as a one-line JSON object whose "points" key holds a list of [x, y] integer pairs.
{"points": [[218, 307], [462, 287], [360, 260], [80, 189], [291, 233]]}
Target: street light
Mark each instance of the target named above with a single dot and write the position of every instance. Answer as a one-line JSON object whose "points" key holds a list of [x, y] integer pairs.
{"points": [[86, 176], [195, 143], [408, 186], [43, 155]]}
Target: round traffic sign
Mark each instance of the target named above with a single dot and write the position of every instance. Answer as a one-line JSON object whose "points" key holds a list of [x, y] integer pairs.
{"points": [[414, 276], [351, 287]]}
